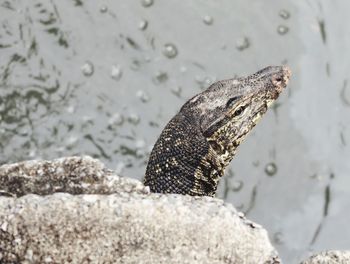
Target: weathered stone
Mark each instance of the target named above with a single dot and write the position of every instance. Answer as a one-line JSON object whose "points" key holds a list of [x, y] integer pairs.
{"points": [[116, 220], [74, 175], [329, 257]]}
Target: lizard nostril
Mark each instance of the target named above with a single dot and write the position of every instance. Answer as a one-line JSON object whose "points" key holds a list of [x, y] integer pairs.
{"points": [[278, 79]]}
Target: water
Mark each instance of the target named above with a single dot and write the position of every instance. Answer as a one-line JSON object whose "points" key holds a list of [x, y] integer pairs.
{"points": [[147, 3], [116, 72], [88, 69], [271, 169], [81, 77], [170, 51], [208, 20], [282, 30], [143, 24], [284, 14], [242, 43]]}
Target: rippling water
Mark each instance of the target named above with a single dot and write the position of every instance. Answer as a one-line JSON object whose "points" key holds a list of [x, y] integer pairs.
{"points": [[102, 78]]}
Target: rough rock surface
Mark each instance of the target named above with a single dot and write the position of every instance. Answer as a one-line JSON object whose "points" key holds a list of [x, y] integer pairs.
{"points": [[74, 175], [104, 218], [329, 257]]}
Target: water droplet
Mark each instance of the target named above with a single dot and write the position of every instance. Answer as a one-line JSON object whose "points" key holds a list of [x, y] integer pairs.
{"points": [[140, 144], [103, 9], [147, 3], [71, 141], [116, 72], [144, 97], [116, 119], [282, 30], [153, 123], [284, 14], [59, 150], [271, 169], [176, 91], [208, 20], [135, 65], [70, 109], [88, 69], [278, 238], [32, 153], [205, 82], [183, 69], [236, 186], [169, 50], [143, 24], [160, 77], [87, 119], [23, 131], [140, 153], [242, 43], [134, 119]]}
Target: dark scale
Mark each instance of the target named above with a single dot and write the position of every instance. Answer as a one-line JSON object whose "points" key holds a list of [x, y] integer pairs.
{"points": [[176, 154], [195, 147]]}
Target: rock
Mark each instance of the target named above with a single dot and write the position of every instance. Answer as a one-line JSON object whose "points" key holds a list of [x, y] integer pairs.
{"points": [[74, 175], [329, 257], [99, 217]]}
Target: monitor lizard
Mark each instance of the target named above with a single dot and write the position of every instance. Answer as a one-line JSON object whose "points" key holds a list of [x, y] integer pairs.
{"points": [[198, 143]]}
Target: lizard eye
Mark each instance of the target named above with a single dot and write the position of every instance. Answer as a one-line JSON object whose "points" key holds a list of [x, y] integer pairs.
{"points": [[239, 111], [231, 101]]}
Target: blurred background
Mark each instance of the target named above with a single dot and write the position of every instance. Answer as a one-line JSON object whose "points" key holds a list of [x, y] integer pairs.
{"points": [[102, 78]]}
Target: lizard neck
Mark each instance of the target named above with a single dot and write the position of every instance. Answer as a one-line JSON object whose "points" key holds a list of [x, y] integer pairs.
{"points": [[182, 161]]}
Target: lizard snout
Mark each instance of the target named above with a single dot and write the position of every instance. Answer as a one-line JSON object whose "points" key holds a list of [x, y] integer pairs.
{"points": [[281, 78]]}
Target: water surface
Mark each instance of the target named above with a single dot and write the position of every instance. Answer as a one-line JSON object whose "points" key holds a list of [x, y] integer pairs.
{"points": [[102, 78]]}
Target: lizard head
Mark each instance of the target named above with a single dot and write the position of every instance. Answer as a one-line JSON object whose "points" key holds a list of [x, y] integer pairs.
{"points": [[229, 109]]}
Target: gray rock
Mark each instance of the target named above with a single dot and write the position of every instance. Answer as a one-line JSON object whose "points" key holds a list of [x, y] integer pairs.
{"points": [[104, 218], [74, 175], [329, 257]]}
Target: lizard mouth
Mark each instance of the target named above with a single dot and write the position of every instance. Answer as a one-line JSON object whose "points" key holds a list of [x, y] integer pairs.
{"points": [[260, 112]]}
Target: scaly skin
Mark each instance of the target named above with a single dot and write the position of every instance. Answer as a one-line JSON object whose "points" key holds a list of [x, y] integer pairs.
{"points": [[196, 146]]}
